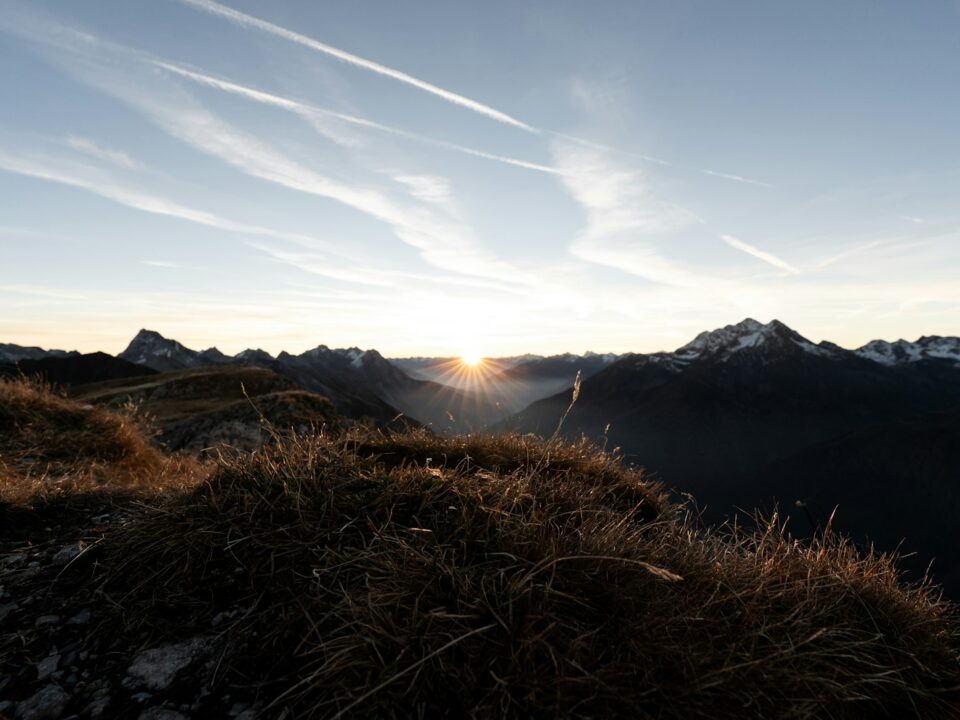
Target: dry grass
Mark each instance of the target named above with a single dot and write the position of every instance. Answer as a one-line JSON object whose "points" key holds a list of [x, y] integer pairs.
{"points": [[50, 445], [415, 576]]}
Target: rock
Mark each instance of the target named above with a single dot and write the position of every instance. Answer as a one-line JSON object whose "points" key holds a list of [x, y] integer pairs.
{"points": [[47, 704], [6, 610], [157, 667], [81, 618], [47, 666], [161, 713], [141, 697], [97, 707], [47, 620], [68, 553]]}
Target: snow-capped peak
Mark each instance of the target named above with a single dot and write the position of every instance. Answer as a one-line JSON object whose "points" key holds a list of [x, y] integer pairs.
{"points": [[928, 347], [749, 333]]}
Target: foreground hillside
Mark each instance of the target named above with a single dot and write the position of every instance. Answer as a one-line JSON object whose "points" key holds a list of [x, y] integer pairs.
{"points": [[407, 575]]}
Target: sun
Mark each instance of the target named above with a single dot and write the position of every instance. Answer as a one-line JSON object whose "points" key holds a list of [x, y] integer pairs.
{"points": [[471, 358]]}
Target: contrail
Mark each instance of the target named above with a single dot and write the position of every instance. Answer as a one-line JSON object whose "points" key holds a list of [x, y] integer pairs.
{"points": [[249, 21], [305, 109], [760, 254], [738, 178]]}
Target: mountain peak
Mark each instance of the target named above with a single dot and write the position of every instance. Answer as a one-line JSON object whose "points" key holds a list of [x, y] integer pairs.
{"points": [[747, 334], [899, 352], [152, 349]]}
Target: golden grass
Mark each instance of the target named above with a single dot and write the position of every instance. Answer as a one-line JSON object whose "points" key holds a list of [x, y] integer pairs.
{"points": [[415, 576], [408, 575], [51, 445]]}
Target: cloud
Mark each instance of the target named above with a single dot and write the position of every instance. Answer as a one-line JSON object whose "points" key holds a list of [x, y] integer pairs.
{"points": [[625, 221], [428, 188], [760, 254], [91, 148], [102, 184], [440, 243], [121, 73], [312, 113], [42, 291], [161, 264], [738, 178], [245, 20]]}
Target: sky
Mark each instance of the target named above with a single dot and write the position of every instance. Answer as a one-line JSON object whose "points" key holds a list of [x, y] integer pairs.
{"points": [[439, 178]]}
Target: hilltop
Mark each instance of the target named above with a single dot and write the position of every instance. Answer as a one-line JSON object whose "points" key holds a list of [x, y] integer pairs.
{"points": [[371, 574]]}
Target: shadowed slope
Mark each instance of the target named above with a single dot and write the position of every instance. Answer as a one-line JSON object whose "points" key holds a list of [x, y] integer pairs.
{"points": [[411, 575]]}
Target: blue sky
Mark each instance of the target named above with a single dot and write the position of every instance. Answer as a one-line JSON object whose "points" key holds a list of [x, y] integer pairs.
{"points": [[498, 177]]}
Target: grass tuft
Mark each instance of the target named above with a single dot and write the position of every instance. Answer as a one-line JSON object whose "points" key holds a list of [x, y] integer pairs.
{"points": [[51, 445]]}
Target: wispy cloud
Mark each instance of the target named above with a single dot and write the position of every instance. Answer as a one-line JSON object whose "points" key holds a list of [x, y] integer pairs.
{"points": [[113, 69], [99, 183], [42, 291], [312, 112], [162, 264], [428, 188], [767, 257], [245, 20], [738, 178], [91, 148], [625, 221]]}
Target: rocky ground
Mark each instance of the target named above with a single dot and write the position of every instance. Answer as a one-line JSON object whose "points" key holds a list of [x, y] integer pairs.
{"points": [[57, 658]]}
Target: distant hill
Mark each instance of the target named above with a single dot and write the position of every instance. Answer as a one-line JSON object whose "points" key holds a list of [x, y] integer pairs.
{"points": [[721, 417], [73, 369], [201, 408]]}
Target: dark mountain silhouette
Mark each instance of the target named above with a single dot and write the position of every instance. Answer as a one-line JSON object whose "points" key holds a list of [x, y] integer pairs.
{"points": [[76, 369], [722, 417], [10, 353], [361, 384]]}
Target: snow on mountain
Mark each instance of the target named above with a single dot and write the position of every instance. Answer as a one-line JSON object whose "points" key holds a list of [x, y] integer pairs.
{"points": [[928, 347], [10, 353], [252, 357], [770, 338], [150, 348]]}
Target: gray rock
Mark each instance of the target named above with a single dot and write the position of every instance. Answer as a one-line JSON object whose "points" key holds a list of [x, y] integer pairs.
{"points": [[6, 610], [98, 707], [47, 666], [156, 668], [81, 618], [141, 697], [47, 704], [161, 713], [47, 620], [68, 553]]}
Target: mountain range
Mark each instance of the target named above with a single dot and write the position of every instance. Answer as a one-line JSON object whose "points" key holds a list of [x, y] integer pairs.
{"points": [[755, 414], [746, 416]]}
